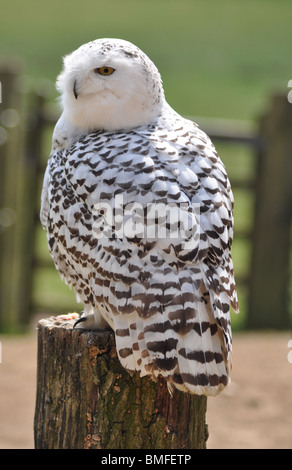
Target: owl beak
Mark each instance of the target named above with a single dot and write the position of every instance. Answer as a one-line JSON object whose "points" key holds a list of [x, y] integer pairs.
{"points": [[75, 89]]}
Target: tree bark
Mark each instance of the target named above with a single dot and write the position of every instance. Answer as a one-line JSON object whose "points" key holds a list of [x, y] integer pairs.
{"points": [[86, 399], [269, 282]]}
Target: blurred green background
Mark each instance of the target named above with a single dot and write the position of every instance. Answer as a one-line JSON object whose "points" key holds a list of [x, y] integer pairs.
{"points": [[217, 58]]}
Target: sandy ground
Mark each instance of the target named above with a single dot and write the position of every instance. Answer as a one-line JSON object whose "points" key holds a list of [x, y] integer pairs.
{"points": [[254, 413]]}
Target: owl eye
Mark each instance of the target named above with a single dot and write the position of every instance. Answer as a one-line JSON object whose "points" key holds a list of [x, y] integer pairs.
{"points": [[104, 70]]}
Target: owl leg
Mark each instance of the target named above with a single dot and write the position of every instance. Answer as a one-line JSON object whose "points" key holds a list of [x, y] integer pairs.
{"points": [[91, 319]]}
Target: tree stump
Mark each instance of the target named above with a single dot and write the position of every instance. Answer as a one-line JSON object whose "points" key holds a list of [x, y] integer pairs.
{"points": [[86, 399]]}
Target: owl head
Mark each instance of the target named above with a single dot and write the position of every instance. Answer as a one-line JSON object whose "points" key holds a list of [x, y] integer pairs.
{"points": [[109, 84]]}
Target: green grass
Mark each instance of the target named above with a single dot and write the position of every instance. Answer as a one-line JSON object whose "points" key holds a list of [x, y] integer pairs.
{"points": [[217, 59]]}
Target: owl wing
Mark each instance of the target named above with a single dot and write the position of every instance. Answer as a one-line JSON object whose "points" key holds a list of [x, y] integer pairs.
{"points": [[165, 301]]}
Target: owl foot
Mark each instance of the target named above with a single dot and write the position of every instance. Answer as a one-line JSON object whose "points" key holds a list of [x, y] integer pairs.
{"points": [[86, 323], [91, 322]]}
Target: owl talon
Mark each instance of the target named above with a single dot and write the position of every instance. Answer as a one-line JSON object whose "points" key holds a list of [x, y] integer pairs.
{"points": [[90, 322], [80, 320]]}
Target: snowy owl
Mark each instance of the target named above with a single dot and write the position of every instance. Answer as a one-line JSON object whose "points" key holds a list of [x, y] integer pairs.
{"points": [[138, 211]]}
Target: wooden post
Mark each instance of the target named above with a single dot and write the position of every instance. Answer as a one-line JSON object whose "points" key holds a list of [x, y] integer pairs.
{"points": [[86, 399], [10, 151], [19, 194], [269, 280], [28, 196]]}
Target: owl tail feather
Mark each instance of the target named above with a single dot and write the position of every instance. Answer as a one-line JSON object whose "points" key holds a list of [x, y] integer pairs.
{"points": [[202, 365], [183, 342]]}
